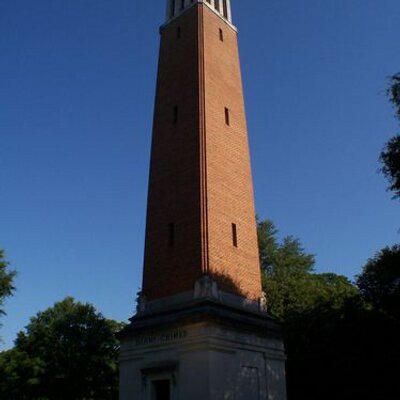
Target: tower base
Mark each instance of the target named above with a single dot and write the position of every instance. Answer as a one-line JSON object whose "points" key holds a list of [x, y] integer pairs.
{"points": [[204, 350]]}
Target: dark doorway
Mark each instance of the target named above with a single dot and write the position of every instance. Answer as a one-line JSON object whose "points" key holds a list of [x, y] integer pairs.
{"points": [[161, 390]]}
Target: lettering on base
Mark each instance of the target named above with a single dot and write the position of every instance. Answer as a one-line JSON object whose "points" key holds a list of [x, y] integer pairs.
{"points": [[160, 338]]}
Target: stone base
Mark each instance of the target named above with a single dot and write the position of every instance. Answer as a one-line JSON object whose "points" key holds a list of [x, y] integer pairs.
{"points": [[204, 350]]}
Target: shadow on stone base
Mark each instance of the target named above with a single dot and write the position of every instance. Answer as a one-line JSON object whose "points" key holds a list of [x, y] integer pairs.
{"points": [[204, 350]]}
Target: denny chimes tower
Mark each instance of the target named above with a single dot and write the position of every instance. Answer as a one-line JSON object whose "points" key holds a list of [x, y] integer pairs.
{"points": [[201, 217], [201, 331]]}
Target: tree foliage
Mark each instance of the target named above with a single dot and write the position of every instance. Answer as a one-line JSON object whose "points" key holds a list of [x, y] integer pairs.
{"points": [[289, 280], [337, 346], [390, 156], [394, 93], [6, 281], [68, 351], [379, 282], [390, 159]]}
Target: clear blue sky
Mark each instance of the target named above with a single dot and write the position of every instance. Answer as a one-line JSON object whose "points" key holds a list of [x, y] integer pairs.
{"points": [[77, 81]]}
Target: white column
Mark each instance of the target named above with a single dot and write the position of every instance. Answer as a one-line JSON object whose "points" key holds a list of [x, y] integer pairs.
{"points": [[229, 10], [168, 11], [177, 6], [220, 6]]}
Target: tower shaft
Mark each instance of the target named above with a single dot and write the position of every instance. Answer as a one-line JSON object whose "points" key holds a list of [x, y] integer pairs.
{"points": [[200, 217]]}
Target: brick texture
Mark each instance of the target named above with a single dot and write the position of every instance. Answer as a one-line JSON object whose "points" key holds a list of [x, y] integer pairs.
{"points": [[200, 175]]}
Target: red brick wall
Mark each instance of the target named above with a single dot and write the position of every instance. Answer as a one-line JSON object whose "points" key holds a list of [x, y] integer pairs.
{"points": [[200, 176], [174, 186], [229, 180]]}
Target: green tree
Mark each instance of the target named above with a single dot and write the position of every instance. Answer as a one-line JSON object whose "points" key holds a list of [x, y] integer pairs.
{"points": [[390, 156], [394, 93], [379, 281], [68, 352], [316, 312], [6, 281], [19, 375], [340, 343], [289, 281]]}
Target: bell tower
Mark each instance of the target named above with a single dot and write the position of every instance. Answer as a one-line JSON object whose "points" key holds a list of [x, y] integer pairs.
{"points": [[201, 217], [201, 330]]}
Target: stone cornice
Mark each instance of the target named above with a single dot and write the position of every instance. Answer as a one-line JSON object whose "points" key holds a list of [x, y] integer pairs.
{"points": [[178, 11]]}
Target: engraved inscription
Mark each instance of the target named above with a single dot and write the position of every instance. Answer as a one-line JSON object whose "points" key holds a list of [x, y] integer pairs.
{"points": [[160, 338]]}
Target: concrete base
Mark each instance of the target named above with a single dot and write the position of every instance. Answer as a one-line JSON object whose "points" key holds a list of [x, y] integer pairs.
{"points": [[204, 350]]}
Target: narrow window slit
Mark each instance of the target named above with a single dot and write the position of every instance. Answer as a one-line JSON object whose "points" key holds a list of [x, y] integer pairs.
{"points": [[234, 235], [227, 116], [175, 119], [178, 32], [171, 234], [221, 35]]}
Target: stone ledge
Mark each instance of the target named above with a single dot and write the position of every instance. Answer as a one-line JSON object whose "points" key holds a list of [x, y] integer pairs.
{"points": [[204, 310]]}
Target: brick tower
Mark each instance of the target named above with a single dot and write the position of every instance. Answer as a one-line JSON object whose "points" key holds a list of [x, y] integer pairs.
{"points": [[201, 298]]}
